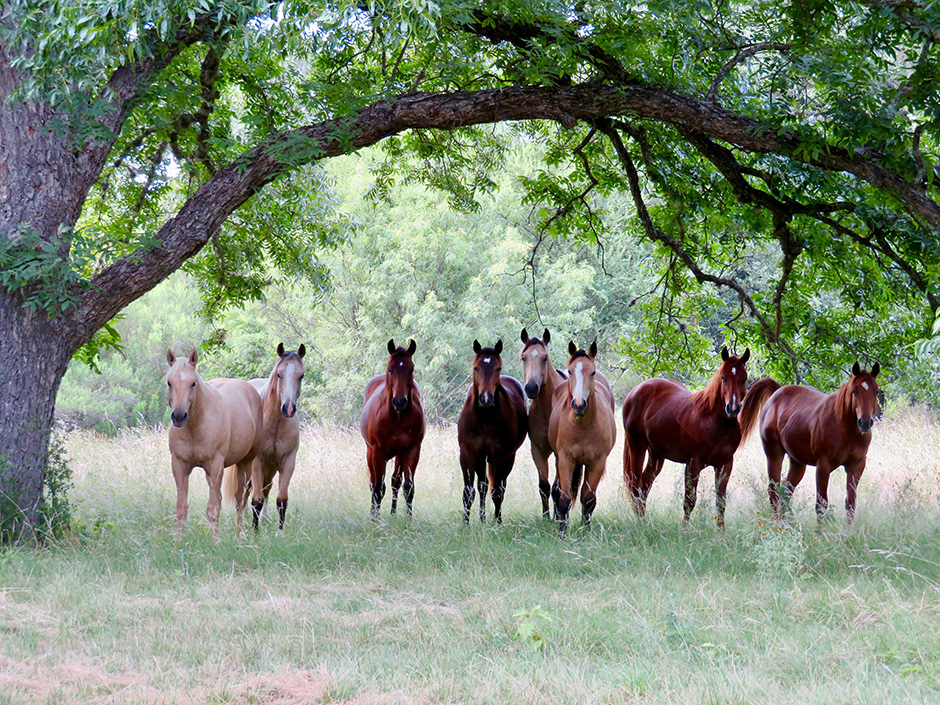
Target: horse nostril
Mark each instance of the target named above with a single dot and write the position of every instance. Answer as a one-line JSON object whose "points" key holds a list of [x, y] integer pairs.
{"points": [[179, 418], [579, 408], [532, 390], [399, 403], [486, 399], [732, 410]]}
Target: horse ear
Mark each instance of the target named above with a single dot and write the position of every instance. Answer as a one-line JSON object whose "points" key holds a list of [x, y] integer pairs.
{"points": [[280, 349], [301, 351], [746, 356], [476, 346], [572, 348], [875, 369], [546, 337], [499, 346], [193, 357], [724, 352], [524, 336], [170, 358], [593, 351], [391, 346], [856, 368], [412, 346]]}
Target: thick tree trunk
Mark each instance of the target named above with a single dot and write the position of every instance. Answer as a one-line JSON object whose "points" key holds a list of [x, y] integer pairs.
{"points": [[34, 358]]}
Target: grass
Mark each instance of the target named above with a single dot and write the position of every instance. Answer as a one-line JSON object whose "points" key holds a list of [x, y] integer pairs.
{"points": [[343, 609]]}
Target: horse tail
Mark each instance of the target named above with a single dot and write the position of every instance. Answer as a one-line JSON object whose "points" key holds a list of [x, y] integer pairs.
{"points": [[229, 484], [754, 401]]}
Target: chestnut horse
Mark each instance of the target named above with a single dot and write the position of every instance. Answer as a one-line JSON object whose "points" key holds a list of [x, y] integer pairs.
{"points": [[215, 424], [582, 432], [392, 424], [281, 439], [814, 428], [663, 418], [492, 426]]}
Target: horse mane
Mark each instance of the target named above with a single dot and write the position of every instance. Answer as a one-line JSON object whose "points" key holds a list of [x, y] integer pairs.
{"points": [[708, 398], [843, 399], [579, 353]]}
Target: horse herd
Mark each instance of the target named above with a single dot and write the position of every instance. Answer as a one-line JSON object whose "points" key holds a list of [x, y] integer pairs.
{"points": [[247, 431]]}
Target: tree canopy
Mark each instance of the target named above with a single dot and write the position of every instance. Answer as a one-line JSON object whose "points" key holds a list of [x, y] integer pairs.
{"points": [[137, 132]]}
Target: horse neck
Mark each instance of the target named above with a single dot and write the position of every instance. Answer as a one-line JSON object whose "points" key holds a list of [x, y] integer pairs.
{"points": [[205, 393], [550, 383], [271, 399], [708, 400], [841, 401]]}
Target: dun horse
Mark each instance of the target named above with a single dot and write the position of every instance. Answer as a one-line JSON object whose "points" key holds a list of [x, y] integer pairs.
{"points": [[492, 426], [281, 438], [582, 432], [392, 425], [663, 418], [814, 428], [215, 424]]}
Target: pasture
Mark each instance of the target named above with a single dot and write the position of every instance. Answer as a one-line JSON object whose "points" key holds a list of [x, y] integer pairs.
{"points": [[341, 609]]}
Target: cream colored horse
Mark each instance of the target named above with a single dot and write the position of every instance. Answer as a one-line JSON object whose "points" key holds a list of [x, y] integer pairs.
{"points": [[215, 424]]}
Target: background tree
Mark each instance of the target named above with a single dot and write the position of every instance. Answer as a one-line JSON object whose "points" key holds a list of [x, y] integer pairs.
{"points": [[132, 130]]}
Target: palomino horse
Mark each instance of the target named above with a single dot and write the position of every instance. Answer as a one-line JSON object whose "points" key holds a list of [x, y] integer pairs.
{"points": [[663, 418], [392, 424], [813, 428], [278, 455], [215, 424], [492, 426], [582, 431]]}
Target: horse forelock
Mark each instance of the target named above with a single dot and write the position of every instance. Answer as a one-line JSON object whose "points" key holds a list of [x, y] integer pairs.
{"points": [[577, 354], [532, 341]]}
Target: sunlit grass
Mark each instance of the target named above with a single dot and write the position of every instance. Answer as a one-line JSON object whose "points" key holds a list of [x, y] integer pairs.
{"points": [[343, 609]]}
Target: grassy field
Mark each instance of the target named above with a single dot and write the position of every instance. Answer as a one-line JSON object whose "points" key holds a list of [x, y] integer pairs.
{"points": [[343, 609]]}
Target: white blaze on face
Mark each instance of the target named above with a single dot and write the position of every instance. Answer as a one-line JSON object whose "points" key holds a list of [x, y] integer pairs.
{"points": [[734, 370], [182, 376], [579, 382], [865, 385], [401, 363]]}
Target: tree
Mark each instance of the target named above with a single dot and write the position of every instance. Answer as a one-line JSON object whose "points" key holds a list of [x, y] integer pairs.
{"points": [[132, 130]]}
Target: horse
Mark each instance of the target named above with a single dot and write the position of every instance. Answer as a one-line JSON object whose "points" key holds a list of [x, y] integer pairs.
{"points": [[582, 432], [281, 437], [814, 428], [215, 424], [663, 418], [392, 424], [492, 425]]}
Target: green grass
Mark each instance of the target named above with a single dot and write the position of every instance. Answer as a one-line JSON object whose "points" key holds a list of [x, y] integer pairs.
{"points": [[343, 609]]}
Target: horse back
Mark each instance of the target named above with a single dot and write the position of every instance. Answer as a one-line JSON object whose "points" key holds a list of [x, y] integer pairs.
{"points": [[241, 405]]}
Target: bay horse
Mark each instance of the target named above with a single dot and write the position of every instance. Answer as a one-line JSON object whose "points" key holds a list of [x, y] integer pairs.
{"points": [[392, 424], [582, 432], [215, 424], [492, 425], [814, 428], [281, 436], [667, 421]]}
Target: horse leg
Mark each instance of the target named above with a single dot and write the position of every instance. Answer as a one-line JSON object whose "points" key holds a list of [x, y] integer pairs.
{"points": [[774, 453], [483, 486], [633, 451], [540, 458], [592, 476], [501, 472], [257, 490], [794, 475], [181, 473], [242, 478], [565, 469], [654, 466], [722, 475], [396, 483], [284, 476], [822, 490], [853, 473], [376, 479], [411, 465], [213, 508], [468, 466], [692, 472]]}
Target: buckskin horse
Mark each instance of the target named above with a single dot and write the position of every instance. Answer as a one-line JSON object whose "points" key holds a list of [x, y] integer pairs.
{"points": [[582, 432], [215, 424], [667, 421], [392, 424], [492, 425], [814, 428]]}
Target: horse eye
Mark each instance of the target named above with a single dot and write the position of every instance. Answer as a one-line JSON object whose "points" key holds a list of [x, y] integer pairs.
{"points": [[593, 373], [168, 383], [193, 384]]}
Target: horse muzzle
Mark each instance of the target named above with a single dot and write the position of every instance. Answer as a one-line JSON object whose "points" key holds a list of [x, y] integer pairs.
{"points": [[487, 399], [532, 389], [865, 423], [288, 409], [732, 410], [580, 408], [399, 403], [179, 418]]}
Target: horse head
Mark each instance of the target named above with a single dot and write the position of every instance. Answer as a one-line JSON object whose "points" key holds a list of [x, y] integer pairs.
{"points": [[181, 383], [289, 371], [487, 368], [581, 369], [534, 358], [400, 374], [864, 395], [733, 376]]}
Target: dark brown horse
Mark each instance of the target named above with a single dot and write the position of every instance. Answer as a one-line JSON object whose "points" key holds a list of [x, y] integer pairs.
{"points": [[814, 428], [392, 425], [698, 429], [582, 431], [492, 426]]}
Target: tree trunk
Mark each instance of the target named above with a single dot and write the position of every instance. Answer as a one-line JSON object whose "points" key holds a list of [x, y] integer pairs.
{"points": [[35, 358]]}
